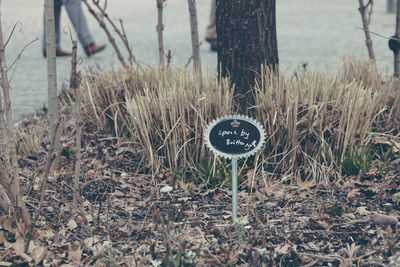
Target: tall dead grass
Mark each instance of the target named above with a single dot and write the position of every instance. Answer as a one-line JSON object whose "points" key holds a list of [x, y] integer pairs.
{"points": [[312, 121]]}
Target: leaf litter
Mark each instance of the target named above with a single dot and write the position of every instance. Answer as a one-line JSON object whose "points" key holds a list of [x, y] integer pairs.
{"points": [[130, 217]]}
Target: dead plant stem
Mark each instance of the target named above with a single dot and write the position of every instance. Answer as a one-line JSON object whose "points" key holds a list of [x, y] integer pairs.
{"points": [[43, 185], [74, 84], [11, 184]]}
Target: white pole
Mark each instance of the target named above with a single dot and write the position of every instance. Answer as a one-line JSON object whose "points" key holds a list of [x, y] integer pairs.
{"points": [[234, 188]]}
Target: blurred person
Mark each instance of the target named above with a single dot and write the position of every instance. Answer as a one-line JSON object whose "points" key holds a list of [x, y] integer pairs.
{"points": [[211, 31], [77, 17]]}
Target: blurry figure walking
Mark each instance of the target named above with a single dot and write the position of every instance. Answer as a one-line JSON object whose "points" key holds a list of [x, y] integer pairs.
{"points": [[78, 19], [211, 33]]}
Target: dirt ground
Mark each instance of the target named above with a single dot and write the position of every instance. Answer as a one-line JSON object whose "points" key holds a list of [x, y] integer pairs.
{"points": [[131, 216]]}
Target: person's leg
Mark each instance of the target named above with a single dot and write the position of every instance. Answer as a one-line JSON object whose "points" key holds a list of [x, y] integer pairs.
{"points": [[77, 17], [211, 27], [211, 33]]}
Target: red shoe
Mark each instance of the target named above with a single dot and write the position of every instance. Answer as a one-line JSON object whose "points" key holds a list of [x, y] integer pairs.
{"points": [[93, 48], [59, 53]]}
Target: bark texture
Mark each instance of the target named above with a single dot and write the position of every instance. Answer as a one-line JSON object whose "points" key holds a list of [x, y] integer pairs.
{"points": [[51, 64], [74, 83], [397, 35], [366, 11], [160, 28], [194, 33], [246, 33]]}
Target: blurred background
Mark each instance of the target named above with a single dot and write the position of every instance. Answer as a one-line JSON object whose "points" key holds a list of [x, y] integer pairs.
{"points": [[316, 33]]}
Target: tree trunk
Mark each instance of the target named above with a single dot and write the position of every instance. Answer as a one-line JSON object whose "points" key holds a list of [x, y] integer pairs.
{"points": [[194, 30], [397, 35], [160, 28], [51, 64], [246, 33], [9, 174], [52, 73]]}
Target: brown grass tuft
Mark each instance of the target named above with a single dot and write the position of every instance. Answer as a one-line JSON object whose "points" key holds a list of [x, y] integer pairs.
{"points": [[312, 121]]}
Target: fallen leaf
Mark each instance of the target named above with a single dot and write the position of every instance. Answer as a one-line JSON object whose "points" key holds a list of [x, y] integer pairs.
{"points": [[353, 194], [350, 216], [38, 254], [72, 224], [384, 220], [7, 224], [19, 247], [75, 255], [323, 217], [313, 246], [2, 237], [118, 193], [305, 186], [362, 211], [281, 250], [166, 189]]}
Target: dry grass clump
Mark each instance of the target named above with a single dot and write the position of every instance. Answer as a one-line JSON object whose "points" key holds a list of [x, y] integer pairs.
{"points": [[161, 111], [29, 138], [312, 121]]}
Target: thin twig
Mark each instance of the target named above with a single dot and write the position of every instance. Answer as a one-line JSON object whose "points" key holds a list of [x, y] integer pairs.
{"points": [[75, 81], [377, 34], [132, 58], [121, 35], [107, 32], [20, 53], [366, 20], [12, 33]]}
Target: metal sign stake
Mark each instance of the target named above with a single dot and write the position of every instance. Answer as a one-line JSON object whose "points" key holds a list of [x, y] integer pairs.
{"points": [[234, 188], [234, 137]]}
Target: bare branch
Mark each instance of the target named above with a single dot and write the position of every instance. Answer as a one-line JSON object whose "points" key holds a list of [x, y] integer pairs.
{"points": [[12, 32], [107, 32], [122, 35], [20, 53], [366, 20], [74, 83]]}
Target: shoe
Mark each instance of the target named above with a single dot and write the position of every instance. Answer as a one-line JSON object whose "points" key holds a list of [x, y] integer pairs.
{"points": [[59, 53], [93, 48], [213, 44]]}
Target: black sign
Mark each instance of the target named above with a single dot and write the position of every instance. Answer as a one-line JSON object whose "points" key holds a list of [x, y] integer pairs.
{"points": [[235, 136]]}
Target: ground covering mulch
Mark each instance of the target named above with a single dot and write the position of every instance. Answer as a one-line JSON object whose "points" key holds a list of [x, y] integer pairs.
{"points": [[131, 215]]}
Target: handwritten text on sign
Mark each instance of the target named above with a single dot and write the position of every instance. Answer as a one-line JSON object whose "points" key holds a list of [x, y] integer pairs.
{"points": [[235, 136]]}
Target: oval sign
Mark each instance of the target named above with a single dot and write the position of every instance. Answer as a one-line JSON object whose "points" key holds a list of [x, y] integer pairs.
{"points": [[234, 136]]}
